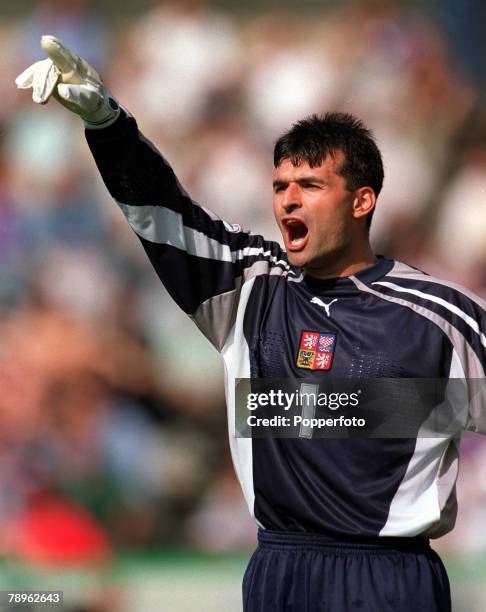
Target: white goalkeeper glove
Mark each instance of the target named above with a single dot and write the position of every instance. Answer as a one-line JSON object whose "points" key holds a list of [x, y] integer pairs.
{"points": [[72, 81]]}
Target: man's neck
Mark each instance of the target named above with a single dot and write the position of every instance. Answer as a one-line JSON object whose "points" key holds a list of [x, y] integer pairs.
{"points": [[344, 266]]}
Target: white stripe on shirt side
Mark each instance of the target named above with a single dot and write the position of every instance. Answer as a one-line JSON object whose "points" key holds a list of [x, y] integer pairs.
{"points": [[473, 324], [425, 501], [236, 356]]}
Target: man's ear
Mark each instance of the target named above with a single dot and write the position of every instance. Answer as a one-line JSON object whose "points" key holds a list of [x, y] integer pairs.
{"points": [[364, 201]]}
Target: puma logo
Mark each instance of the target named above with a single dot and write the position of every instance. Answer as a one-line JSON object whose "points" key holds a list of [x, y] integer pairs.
{"points": [[327, 307]]}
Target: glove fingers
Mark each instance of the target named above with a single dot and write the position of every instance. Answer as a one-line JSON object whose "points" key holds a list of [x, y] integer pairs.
{"points": [[73, 82], [61, 56], [25, 78], [44, 80]]}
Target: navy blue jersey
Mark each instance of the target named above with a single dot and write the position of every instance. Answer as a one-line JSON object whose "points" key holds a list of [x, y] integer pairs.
{"points": [[389, 320]]}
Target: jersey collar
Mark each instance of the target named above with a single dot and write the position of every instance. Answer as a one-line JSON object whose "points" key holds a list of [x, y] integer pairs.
{"points": [[367, 276]]}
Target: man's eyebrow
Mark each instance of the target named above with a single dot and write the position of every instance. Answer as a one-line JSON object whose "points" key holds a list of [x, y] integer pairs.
{"points": [[311, 179], [301, 180]]}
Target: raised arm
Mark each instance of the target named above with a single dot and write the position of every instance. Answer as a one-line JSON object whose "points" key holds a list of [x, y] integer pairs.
{"points": [[202, 260]]}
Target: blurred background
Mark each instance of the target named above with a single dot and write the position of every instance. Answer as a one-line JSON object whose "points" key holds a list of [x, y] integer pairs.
{"points": [[116, 483]]}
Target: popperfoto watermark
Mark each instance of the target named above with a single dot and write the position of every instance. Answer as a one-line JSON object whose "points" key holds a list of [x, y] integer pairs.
{"points": [[300, 421]]}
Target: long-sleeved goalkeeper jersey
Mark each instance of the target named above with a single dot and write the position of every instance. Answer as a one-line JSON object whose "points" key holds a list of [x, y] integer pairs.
{"points": [[389, 320]]}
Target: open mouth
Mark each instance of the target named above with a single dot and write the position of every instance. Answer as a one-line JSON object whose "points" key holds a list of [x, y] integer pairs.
{"points": [[297, 234]]}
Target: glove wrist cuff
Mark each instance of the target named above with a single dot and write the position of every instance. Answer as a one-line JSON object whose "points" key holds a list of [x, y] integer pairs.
{"points": [[107, 114]]}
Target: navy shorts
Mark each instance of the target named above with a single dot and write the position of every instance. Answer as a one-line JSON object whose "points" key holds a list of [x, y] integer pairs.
{"points": [[299, 572]]}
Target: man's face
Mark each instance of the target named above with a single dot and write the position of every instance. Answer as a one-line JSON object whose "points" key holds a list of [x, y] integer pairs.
{"points": [[313, 209]]}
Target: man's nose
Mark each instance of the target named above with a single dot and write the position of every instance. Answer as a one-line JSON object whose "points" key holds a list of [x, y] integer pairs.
{"points": [[291, 198]]}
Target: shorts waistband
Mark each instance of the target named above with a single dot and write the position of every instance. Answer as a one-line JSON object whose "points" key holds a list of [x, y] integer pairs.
{"points": [[318, 540]]}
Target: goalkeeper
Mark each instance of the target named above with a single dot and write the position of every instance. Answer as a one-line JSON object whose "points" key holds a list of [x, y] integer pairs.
{"points": [[344, 524]]}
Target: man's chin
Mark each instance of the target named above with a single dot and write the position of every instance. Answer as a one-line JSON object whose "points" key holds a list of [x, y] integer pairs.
{"points": [[312, 264], [297, 259]]}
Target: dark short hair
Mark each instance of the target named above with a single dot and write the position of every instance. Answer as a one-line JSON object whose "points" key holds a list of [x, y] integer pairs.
{"points": [[312, 139]]}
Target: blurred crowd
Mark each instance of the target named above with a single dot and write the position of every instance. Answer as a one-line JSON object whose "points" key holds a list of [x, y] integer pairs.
{"points": [[112, 414]]}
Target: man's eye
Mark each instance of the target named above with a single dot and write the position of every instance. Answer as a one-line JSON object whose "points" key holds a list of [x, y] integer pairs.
{"points": [[279, 188]]}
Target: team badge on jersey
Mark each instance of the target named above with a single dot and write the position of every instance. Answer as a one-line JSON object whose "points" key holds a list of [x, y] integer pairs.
{"points": [[316, 350]]}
